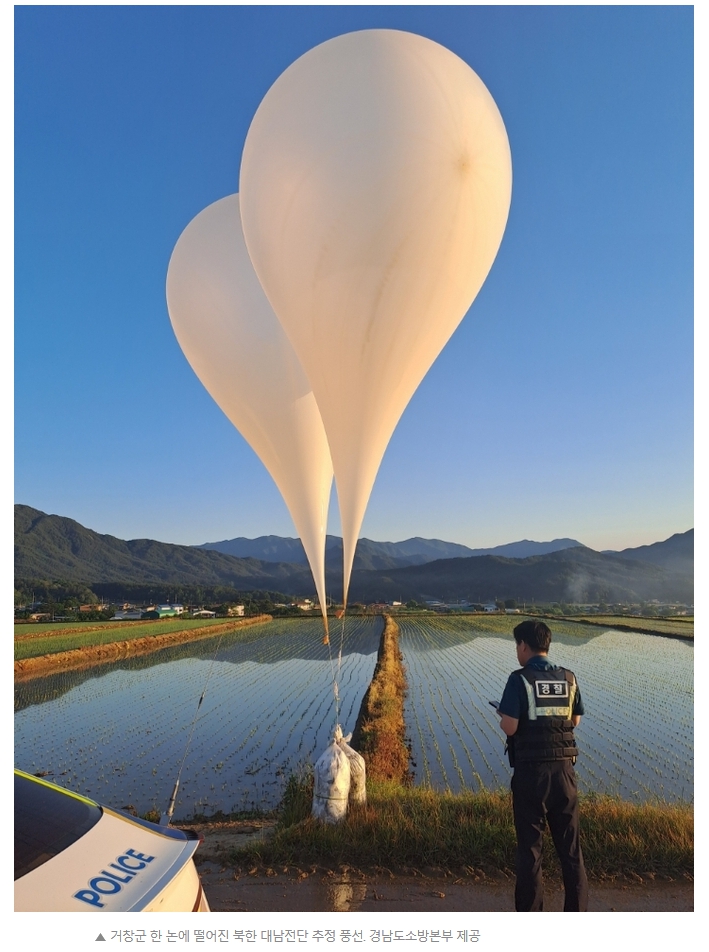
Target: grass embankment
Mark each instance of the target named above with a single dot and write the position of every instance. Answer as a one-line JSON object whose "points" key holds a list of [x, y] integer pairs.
{"points": [[38, 656], [379, 733], [471, 833]]}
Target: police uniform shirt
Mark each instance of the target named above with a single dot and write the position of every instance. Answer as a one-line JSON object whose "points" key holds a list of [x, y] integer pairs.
{"points": [[514, 701]]}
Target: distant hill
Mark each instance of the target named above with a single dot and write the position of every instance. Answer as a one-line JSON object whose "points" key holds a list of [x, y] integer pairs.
{"points": [[53, 547], [569, 575], [525, 549], [369, 555], [378, 555], [675, 553]]}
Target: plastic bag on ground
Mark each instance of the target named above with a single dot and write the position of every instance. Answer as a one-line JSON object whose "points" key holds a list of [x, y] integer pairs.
{"points": [[332, 783], [358, 771]]}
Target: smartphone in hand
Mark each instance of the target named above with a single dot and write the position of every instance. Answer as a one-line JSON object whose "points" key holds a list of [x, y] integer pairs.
{"points": [[495, 704]]}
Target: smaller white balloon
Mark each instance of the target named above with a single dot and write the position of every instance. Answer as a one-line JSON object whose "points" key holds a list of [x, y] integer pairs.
{"points": [[238, 349]]}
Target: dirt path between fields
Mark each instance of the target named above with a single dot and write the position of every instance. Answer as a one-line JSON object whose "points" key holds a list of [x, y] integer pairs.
{"points": [[116, 650], [317, 889]]}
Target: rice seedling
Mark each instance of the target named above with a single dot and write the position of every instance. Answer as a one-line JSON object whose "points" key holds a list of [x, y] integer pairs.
{"points": [[121, 728], [269, 706], [636, 737]]}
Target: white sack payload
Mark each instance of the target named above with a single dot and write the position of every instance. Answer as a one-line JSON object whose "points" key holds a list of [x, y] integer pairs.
{"points": [[332, 783], [358, 771]]}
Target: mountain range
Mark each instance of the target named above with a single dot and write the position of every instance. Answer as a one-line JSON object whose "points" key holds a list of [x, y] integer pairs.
{"points": [[378, 555], [51, 547]]}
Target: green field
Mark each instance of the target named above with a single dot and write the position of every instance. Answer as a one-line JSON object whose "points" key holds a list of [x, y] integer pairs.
{"points": [[682, 625], [31, 640]]}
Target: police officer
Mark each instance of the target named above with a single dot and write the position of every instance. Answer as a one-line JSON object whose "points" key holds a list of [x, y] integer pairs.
{"points": [[540, 707]]}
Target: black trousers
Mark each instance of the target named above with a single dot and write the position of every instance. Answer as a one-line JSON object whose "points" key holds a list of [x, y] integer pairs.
{"points": [[546, 792]]}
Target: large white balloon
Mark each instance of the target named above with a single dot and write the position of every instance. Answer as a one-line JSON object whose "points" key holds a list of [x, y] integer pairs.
{"points": [[238, 349], [375, 188]]}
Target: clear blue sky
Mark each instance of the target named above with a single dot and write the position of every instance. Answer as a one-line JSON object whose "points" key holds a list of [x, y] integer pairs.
{"points": [[562, 406]]}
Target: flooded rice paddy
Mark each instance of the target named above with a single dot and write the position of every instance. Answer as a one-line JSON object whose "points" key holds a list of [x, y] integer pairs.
{"points": [[635, 740], [118, 731]]}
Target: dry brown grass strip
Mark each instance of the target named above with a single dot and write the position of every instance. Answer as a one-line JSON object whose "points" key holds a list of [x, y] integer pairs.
{"points": [[91, 655], [379, 734]]}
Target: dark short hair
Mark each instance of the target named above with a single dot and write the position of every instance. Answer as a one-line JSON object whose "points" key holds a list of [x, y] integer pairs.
{"points": [[533, 633]]}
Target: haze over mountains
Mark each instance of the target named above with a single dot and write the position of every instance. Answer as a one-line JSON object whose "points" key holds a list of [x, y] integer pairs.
{"points": [[57, 548]]}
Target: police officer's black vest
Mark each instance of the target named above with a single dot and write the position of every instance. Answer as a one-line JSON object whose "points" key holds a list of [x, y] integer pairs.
{"points": [[546, 732]]}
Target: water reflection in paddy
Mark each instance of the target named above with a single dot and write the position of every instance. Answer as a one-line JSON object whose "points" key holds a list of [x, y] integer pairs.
{"points": [[636, 738], [118, 731]]}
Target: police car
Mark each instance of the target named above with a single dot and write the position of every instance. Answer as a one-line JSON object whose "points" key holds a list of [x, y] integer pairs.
{"points": [[74, 855]]}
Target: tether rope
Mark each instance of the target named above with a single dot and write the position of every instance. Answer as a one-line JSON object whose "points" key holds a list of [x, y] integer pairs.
{"points": [[167, 816], [335, 672], [339, 663]]}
